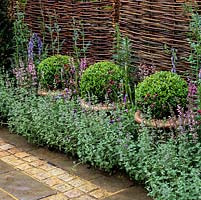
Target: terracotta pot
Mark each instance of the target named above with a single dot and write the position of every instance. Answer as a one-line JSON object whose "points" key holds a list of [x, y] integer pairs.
{"points": [[96, 107], [156, 123], [51, 93]]}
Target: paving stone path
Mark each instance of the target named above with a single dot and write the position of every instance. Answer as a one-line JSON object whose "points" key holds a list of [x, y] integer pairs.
{"points": [[28, 172]]}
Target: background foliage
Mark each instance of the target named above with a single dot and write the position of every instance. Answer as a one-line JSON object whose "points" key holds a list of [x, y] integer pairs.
{"points": [[6, 35]]}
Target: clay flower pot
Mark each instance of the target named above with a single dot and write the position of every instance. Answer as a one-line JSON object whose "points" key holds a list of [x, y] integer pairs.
{"points": [[96, 107], [51, 93], [156, 123]]}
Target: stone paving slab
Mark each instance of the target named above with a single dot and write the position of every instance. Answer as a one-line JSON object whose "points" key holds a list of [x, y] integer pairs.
{"points": [[68, 179], [112, 183], [4, 168], [24, 187], [5, 196], [70, 165], [133, 193]]}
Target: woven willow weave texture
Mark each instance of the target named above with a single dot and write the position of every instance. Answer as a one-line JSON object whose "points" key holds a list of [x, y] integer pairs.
{"points": [[96, 17], [150, 24]]}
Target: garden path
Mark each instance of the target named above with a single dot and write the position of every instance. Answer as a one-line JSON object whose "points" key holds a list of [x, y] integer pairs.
{"points": [[28, 172]]}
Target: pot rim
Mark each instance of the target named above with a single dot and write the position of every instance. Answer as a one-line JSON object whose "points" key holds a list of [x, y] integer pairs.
{"points": [[96, 107], [172, 122]]}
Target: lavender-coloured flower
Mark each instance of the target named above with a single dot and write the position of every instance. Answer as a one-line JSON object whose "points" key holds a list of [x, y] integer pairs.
{"points": [[40, 45], [199, 75], [173, 60], [173, 70], [66, 90], [30, 49], [145, 70], [125, 99], [192, 89], [83, 64], [112, 121], [187, 121], [34, 38], [58, 97], [72, 70]]}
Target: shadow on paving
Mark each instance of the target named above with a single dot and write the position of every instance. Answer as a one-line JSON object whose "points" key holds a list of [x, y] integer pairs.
{"points": [[133, 193], [113, 184]]}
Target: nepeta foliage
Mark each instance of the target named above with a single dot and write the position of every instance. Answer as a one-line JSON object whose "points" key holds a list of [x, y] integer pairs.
{"points": [[195, 43], [21, 38]]}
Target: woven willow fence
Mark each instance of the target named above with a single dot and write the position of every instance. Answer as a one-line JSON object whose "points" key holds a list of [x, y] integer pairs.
{"points": [[150, 24], [95, 17]]}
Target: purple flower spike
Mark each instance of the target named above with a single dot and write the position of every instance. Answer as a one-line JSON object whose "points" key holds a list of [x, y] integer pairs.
{"points": [[199, 75], [125, 98], [83, 64], [173, 70], [36, 38], [112, 121], [192, 89], [173, 60], [30, 49]]}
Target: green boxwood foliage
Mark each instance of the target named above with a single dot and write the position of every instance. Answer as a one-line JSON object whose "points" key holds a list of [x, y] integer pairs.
{"points": [[102, 80], [53, 71], [161, 93]]}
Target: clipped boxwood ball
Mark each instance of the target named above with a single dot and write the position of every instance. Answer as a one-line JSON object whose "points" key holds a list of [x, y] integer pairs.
{"points": [[161, 93], [103, 80], [53, 70]]}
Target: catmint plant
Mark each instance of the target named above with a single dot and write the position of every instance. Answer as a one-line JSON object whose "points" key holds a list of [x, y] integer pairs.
{"points": [[54, 30], [20, 74], [145, 70], [83, 65], [124, 58], [199, 74], [21, 36], [31, 69], [173, 52], [195, 42], [27, 76], [173, 59], [33, 39], [78, 34], [188, 123]]}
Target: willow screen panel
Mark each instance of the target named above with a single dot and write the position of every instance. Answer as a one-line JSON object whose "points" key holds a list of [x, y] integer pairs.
{"points": [[154, 24], [96, 17], [150, 24]]}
